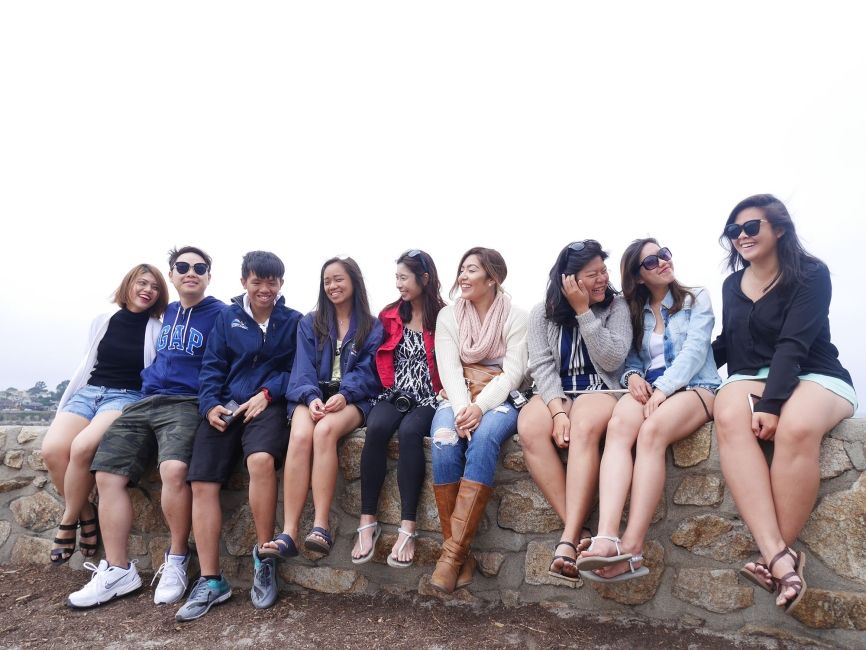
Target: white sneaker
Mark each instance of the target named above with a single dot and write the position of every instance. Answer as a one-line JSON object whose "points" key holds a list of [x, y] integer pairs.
{"points": [[106, 583], [172, 580]]}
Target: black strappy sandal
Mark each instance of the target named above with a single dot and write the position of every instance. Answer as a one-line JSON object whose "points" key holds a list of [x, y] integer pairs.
{"points": [[567, 561], [66, 548], [87, 549]]}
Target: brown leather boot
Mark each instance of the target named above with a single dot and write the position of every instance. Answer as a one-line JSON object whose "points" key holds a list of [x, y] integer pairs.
{"points": [[468, 510], [446, 495]]}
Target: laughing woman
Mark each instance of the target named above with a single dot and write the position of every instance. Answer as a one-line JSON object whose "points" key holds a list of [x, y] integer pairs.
{"points": [[481, 354], [407, 368], [330, 393], [578, 341], [776, 342], [121, 345], [671, 378]]}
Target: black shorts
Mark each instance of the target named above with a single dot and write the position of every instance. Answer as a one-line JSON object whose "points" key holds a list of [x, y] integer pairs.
{"points": [[215, 453]]}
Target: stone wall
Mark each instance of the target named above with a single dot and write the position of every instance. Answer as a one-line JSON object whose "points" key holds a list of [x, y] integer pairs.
{"points": [[696, 543]]}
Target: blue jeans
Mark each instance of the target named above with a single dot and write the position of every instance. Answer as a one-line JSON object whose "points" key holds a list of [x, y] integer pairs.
{"points": [[455, 458]]}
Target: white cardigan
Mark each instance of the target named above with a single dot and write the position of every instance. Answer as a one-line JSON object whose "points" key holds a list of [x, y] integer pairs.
{"points": [[451, 368], [97, 330]]}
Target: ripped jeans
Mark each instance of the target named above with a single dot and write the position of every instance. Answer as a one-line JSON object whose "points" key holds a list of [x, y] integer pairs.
{"points": [[455, 458]]}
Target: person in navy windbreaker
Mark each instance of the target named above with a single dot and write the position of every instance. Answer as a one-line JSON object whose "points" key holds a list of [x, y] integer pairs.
{"points": [[330, 392], [248, 360]]}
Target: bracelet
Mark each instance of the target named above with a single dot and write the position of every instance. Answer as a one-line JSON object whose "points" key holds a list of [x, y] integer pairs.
{"points": [[558, 413]]}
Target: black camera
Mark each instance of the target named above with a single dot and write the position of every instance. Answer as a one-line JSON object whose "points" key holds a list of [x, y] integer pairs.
{"points": [[517, 399], [402, 401], [329, 389]]}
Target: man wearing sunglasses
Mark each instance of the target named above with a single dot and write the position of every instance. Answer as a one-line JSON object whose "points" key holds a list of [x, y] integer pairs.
{"points": [[163, 423]]}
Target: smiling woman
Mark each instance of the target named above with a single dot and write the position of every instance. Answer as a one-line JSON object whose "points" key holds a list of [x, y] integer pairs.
{"points": [[108, 378]]}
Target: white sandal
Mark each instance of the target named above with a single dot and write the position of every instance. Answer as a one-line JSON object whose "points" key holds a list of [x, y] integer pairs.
{"points": [[630, 575], [367, 555], [393, 561], [590, 562]]}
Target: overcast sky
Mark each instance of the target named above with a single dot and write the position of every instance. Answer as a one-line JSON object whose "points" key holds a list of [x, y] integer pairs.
{"points": [[314, 129]]}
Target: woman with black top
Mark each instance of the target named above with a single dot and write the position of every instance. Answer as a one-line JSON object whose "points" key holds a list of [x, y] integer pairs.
{"points": [[785, 384], [120, 346], [407, 368]]}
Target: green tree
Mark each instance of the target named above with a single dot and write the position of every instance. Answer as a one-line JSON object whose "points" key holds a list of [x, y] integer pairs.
{"points": [[58, 392], [38, 387]]}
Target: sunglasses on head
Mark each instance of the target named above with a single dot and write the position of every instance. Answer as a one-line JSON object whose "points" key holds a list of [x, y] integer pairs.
{"points": [[651, 262], [750, 227], [200, 268], [413, 253]]}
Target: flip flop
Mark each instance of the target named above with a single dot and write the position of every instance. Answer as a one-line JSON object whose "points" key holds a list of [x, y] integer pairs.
{"points": [[286, 548], [393, 561], [368, 555], [318, 541], [590, 562], [756, 580], [631, 574]]}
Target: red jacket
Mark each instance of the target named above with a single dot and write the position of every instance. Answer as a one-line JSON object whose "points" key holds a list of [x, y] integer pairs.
{"points": [[390, 318]]}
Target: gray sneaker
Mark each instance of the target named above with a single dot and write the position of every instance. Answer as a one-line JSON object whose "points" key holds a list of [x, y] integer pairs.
{"points": [[265, 588], [204, 595]]}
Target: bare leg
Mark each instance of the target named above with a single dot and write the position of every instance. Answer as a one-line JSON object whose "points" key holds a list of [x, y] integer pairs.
{"points": [[78, 481], [326, 433], [806, 417], [677, 417], [56, 446], [535, 427], [589, 417], [207, 525], [296, 475], [176, 504], [115, 513], [263, 494]]}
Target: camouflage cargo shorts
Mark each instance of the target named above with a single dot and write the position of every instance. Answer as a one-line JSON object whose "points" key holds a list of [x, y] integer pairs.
{"points": [[160, 424]]}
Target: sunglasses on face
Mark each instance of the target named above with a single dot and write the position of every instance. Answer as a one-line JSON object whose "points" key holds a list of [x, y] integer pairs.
{"points": [[750, 227], [413, 253], [200, 268], [651, 262]]}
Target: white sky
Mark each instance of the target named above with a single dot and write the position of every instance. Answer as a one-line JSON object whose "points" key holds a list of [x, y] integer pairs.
{"points": [[313, 129]]}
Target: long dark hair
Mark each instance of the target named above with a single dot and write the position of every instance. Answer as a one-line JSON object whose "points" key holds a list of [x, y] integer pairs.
{"points": [[326, 315], [793, 258], [571, 262], [421, 264], [637, 295]]}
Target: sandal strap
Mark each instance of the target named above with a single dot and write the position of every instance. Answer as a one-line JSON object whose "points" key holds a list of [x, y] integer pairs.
{"points": [[403, 531], [65, 541], [778, 556], [632, 560], [615, 540], [564, 542], [366, 526], [89, 522], [68, 526]]}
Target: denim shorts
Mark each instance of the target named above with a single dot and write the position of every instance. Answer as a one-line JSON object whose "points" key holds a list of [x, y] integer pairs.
{"points": [[89, 401]]}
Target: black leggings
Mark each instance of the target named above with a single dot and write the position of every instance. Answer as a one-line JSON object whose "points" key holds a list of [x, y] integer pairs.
{"points": [[414, 426]]}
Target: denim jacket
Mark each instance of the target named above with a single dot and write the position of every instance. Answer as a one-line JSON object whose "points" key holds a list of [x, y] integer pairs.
{"points": [[688, 356]]}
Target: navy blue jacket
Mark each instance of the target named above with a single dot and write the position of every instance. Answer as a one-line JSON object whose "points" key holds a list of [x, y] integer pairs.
{"points": [[240, 359], [180, 348], [360, 381]]}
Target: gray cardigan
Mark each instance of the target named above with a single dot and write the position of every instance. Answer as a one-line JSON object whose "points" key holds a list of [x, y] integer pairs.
{"points": [[606, 332]]}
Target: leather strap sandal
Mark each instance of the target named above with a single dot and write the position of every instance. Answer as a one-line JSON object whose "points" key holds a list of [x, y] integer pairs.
{"points": [[791, 580], [756, 578], [568, 563], [88, 549]]}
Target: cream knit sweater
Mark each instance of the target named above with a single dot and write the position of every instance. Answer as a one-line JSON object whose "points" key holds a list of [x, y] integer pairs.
{"points": [[451, 368]]}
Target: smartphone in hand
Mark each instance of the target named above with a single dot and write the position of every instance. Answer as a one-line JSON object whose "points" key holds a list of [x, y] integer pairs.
{"points": [[231, 405]]}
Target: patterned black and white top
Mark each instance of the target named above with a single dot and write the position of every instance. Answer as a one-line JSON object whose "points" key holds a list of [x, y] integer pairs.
{"points": [[411, 372]]}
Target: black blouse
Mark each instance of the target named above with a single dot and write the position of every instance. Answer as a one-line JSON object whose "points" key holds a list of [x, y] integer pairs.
{"points": [[787, 329]]}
